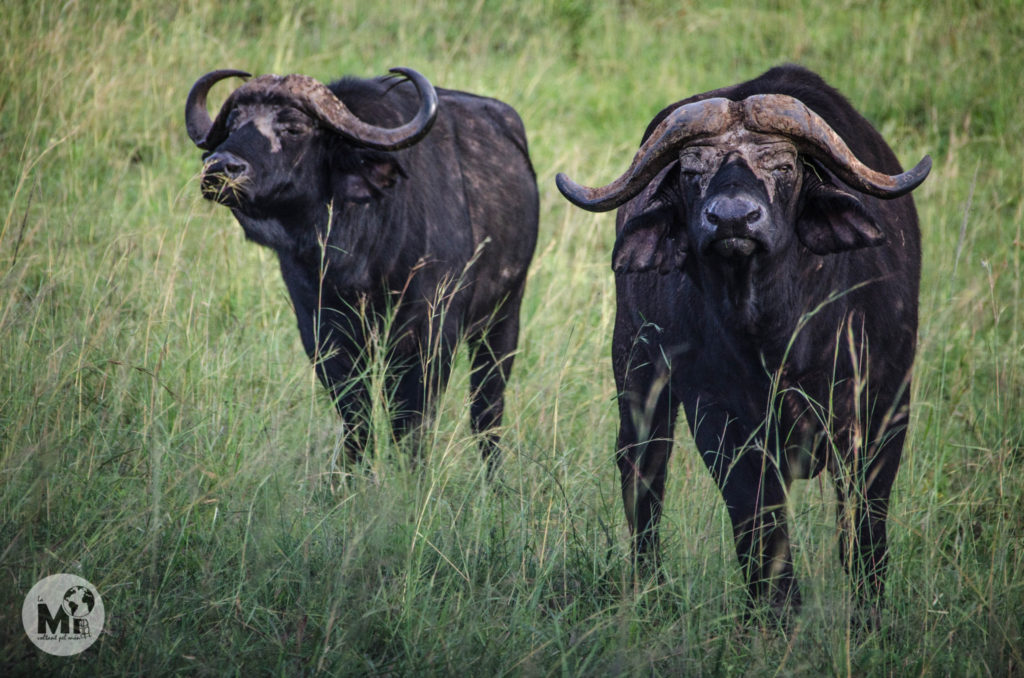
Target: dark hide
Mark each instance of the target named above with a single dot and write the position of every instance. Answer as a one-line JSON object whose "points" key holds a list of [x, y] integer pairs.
{"points": [[779, 308], [419, 246]]}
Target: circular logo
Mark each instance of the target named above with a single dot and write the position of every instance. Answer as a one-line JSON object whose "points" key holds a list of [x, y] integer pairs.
{"points": [[63, 614]]}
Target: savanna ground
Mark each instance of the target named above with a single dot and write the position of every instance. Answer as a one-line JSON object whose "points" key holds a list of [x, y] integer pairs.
{"points": [[162, 434]]}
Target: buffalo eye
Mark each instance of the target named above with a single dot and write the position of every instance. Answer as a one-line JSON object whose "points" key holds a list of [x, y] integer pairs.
{"points": [[698, 160], [292, 124], [292, 131], [691, 164], [780, 164]]}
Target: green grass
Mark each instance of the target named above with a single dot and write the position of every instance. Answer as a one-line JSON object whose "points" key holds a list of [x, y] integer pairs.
{"points": [[162, 434]]}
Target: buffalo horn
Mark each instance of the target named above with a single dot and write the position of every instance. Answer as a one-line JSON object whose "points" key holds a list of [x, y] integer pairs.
{"points": [[766, 113], [331, 111], [780, 114], [197, 119], [705, 118]]}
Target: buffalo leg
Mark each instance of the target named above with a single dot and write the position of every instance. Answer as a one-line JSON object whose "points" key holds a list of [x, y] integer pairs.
{"points": [[754, 490], [643, 467], [493, 353], [647, 415], [863, 487], [416, 392], [352, 401], [408, 400], [761, 534]]}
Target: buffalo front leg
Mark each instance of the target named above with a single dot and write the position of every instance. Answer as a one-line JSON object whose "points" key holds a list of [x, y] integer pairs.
{"points": [[493, 353], [352, 402], [418, 385], [762, 540], [754, 489], [646, 429], [863, 491]]}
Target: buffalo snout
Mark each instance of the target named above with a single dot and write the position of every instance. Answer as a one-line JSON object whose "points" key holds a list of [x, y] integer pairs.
{"points": [[733, 226], [224, 175]]}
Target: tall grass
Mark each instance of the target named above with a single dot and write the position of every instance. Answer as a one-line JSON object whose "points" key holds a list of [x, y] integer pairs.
{"points": [[162, 434]]}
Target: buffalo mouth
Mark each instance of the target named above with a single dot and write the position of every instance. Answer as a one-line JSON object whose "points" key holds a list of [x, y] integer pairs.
{"points": [[735, 247], [220, 188]]}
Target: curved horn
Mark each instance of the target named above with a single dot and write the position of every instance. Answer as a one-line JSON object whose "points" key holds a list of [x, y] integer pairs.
{"points": [[781, 114], [330, 110], [698, 119], [197, 119]]}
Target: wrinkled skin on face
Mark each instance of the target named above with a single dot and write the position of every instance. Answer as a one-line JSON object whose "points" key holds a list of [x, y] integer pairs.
{"points": [[737, 195], [736, 187], [737, 207]]}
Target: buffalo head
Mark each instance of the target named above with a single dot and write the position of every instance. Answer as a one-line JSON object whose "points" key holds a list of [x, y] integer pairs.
{"points": [[733, 180], [283, 144]]}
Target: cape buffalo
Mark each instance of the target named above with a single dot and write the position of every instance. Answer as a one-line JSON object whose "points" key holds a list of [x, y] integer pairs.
{"points": [[766, 264], [419, 232]]}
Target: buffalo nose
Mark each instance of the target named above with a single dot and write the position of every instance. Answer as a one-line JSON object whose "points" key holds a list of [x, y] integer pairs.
{"points": [[226, 164], [224, 178], [734, 227], [736, 215]]}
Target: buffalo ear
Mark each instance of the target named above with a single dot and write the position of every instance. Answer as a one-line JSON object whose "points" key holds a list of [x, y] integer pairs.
{"points": [[647, 242], [836, 221], [367, 180], [653, 238]]}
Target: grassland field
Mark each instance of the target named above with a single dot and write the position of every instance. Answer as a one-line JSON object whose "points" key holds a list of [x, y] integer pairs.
{"points": [[163, 436]]}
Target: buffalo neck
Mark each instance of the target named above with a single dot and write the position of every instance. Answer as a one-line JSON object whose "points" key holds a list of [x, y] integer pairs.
{"points": [[348, 246], [763, 299]]}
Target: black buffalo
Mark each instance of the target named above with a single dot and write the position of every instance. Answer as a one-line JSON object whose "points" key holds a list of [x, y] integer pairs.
{"points": [[766, 263], [419, 233]]}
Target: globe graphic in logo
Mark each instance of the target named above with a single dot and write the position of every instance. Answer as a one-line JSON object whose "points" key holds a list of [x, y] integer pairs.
{"points": [[78, 602]]}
